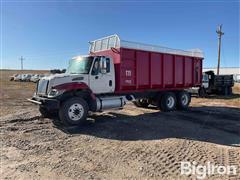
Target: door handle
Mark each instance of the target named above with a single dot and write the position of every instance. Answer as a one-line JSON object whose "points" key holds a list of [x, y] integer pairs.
{"points": [[110, 82], [96, 77]]}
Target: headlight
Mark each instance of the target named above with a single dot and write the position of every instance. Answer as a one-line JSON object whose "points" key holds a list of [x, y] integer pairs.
{"points": [[54, 93]]}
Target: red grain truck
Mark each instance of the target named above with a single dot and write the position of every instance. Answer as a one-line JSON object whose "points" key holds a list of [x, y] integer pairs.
{"points": [[117, 71]]}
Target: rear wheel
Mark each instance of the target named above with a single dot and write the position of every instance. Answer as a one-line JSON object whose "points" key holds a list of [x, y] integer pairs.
{"points": [[168, 102], [202, 92], [230, 91], [141, 103], [73, 111], [183, 100], [227, 91]]}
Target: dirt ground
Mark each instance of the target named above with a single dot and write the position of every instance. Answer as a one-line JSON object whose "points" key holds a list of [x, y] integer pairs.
{"points": [[133, 143]]}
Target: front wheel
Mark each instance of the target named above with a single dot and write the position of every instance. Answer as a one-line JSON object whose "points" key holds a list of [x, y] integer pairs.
{"points": [[46, 113], [73, 111], [202, 92]]}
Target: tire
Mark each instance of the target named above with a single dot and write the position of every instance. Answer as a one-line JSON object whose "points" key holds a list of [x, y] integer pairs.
{"points": [[141, 103], [73, 111], [230, 91], [45, 113], [225, 91], [168, 102], [183, 100], [201, 92]]}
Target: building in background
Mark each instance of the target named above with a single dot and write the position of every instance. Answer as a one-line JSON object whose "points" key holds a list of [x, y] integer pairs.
{"points": [[235, 71]]}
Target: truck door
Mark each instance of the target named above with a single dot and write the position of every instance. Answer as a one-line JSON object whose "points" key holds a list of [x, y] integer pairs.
{"points": [[205, 81], [102, 77]]}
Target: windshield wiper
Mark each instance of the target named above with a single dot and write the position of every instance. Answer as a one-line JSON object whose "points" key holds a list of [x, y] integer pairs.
{"points": [[77, 73]]}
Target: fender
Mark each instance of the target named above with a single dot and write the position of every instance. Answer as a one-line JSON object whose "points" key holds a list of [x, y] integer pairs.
{"points": [[75, 86]]}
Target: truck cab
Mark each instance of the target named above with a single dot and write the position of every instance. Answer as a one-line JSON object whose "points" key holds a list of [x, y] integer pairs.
{"points": [[97, 72], [87, 78], [205, 80]]}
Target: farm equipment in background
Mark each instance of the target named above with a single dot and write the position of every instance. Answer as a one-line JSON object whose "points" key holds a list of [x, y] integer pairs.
{"points": [[216, 84], [35, 78], [57, 71], [12, 78]]}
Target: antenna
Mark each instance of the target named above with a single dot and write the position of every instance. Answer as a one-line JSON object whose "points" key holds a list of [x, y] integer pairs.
{"points": [[220, 33]]}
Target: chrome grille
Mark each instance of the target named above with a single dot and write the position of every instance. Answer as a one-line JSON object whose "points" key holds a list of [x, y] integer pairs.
{"points": [[42, 87]]}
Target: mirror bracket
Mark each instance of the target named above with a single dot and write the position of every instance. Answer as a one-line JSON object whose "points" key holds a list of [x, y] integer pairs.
{"points": [[103, 65]]}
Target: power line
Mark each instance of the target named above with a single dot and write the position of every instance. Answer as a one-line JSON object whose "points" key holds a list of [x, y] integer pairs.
{"points": [[220, 33], [22, 59]]}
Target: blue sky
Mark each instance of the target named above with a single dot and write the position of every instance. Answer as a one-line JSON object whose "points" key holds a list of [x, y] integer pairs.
{"points": [[48, 34]]}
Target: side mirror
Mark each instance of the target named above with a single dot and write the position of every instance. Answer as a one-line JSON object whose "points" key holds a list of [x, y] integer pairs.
{"points": [[103, 66]]}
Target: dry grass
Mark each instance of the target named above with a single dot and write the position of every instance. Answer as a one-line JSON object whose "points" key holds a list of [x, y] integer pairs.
{"points": [[13, 94], [236, 88]]}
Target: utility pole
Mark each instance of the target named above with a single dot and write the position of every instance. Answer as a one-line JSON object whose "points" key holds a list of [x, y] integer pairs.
{"points": [[220, 33], [21, 59]]}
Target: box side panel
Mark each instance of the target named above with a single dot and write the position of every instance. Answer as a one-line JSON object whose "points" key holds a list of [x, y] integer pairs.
{"points": [[128, 70], [197, 71], [179, 70], [168, 70], [142, 69], [188, 71], [156, 70], [138, 70]]}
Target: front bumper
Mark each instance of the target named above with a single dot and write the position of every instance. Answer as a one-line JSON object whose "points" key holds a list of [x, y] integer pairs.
{"points": [[50, 104]]}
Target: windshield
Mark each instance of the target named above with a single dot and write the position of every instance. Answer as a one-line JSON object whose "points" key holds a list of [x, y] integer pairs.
{"points": [[80, 65], [205, 77]]}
